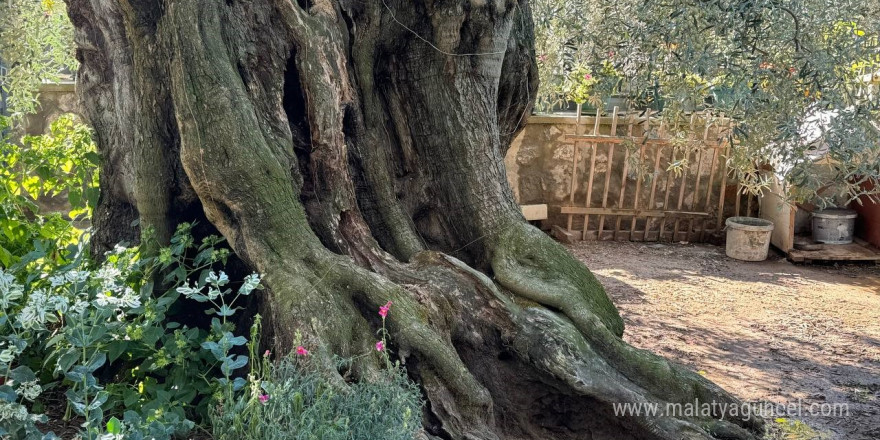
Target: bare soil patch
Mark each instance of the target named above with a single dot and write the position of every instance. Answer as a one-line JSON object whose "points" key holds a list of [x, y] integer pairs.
{"points": [[771, 331]]}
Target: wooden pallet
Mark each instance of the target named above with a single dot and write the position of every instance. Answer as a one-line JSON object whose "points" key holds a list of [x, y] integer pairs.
{"points": [[859, 250], [672, 205]]}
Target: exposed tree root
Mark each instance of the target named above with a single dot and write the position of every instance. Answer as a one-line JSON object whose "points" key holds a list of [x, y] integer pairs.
{"points": [[525, 261], [535, 267]]}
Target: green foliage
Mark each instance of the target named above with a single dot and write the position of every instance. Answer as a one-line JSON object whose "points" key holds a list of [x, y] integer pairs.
{"points": [[578, 86], [295, 401], [63, 162], [77, 326], [559, 26], [791, 73], [36, 44], [301, 404]]}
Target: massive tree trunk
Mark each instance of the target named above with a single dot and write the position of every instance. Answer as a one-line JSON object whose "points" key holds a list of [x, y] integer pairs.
{"points": [[352, 152]]}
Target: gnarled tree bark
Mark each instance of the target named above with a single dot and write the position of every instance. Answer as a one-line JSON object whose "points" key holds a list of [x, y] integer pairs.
{"points": [[352, 153]]}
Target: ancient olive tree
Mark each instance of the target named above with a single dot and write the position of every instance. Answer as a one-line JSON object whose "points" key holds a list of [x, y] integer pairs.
{"points": [[351, 152]]}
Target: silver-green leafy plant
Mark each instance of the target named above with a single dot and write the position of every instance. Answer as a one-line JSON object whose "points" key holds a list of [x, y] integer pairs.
{"points": [[78, 326]]}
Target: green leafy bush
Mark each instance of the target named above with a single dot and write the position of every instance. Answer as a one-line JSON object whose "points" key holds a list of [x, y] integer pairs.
{"points": [[109, 337], [63, 162]]}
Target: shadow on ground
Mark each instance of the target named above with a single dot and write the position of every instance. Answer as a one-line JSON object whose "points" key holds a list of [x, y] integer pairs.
{"points": [[770, 331]]}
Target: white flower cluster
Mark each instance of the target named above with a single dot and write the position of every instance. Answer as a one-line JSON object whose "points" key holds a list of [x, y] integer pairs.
{"points": [[33, 314], [42, 305], [79, 307], [16, 412], [108, 276], [215, 280], [29, 390], [126, 298], [10, 291], [189, 291], [112, 293], [8, 354], [250, 283], [71, 277]]}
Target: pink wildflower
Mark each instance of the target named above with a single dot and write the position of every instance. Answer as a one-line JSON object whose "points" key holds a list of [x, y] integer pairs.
{"points": [[302, 351], [380, 346], [267, 353], [264, 398], [383, 310], [588, 77]]}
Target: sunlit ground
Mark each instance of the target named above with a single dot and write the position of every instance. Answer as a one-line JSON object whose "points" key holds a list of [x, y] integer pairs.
{"points": [[770, 331]]}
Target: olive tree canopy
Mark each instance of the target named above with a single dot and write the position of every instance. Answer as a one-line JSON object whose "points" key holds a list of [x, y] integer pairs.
{"points": [[795, 75]]}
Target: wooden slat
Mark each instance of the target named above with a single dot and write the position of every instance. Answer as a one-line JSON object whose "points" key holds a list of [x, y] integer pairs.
{"points": [[723, 192], [608, 170], [684, 179], [626, 211], [654, 180], [597, 120], [629, 132], [709, 185], [632, 224], [837, 252], [668, 188], [574, 167], [696, 197], [621, 139], [646, 133]]}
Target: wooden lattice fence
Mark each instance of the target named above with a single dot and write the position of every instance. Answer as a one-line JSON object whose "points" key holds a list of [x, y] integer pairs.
{"points": [[623, 187]]}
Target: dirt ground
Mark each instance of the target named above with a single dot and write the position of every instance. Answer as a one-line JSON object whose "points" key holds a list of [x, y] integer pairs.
{"points": [[768, 332]]}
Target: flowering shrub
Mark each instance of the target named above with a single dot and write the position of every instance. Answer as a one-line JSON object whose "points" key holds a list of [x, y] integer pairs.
{"points": [[77, 326], [295, 401], [578, 86]]}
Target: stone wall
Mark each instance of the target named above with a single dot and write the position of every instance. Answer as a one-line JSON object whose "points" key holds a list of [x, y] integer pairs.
{"points": [[55, 100]]}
